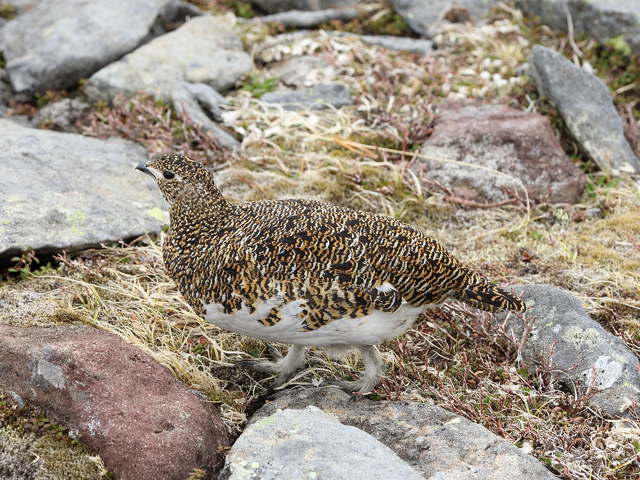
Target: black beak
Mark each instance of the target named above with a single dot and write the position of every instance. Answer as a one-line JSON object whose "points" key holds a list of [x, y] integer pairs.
{"points": [[143, 168]]}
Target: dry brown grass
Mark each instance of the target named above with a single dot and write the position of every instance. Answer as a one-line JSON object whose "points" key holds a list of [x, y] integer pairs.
{"points": [[156, 126]]}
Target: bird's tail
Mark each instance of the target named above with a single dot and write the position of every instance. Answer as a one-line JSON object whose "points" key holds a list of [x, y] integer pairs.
{"points": [[482, 294]]}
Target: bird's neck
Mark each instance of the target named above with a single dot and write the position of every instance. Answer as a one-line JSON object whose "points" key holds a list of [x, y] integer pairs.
{"points": [[199, 206]]}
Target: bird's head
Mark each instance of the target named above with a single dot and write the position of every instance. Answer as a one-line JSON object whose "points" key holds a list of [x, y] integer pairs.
{"points": [[181, 179]]}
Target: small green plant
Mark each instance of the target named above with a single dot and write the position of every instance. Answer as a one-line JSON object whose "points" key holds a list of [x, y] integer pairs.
{"points": [[535, 235], [49, 96], [243, 9], [7, 11], [389, 23], [258, 85], [598, 181], [22, 265]]}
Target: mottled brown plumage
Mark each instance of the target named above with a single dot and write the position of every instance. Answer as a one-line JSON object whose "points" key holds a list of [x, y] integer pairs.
{"points": [[337, 263]]}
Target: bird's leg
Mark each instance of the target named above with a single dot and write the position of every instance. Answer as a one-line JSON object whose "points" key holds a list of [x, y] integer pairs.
{"points": [[283, 367], [373, 372]]}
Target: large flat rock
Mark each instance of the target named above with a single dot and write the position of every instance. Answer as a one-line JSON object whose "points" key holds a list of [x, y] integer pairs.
{"points": [[318, 97], [310, 444], [435, 442], [53, 46], [506, 145], [204, 50], [65, 191], [134, 413], [587, 108]]}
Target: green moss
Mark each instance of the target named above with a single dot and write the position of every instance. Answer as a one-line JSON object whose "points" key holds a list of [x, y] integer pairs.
{"points": [[243, 9], [382, 141], [257, 85], [619, 44], [49, 96], [390, 23], [373, 22], [156, 213], [617, 67], [65, 316], [29, 440], [7, 11]]}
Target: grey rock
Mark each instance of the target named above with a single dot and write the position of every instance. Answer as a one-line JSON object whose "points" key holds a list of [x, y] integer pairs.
{"points": [[306, 19], [303, 71], [210, 100], [61, 115], [425, 17], [274, 6], [578, 350], [65, 191], [202, 105], [593, 212], [434, 441], [599, 19], [586, 106], [52, 48], [519, 145], [204, 51], [177, 11], [403, 44], [310, 444], [312, 98]]}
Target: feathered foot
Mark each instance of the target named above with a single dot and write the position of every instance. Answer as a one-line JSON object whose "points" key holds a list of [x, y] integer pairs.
{"points": [[282, 367], [373, 372]]}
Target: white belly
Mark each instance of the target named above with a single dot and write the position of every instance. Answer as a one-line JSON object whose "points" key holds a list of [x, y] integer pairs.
{"points": [[371, 329]]}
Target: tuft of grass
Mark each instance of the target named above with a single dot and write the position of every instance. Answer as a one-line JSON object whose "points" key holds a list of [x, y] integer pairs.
{"points": [[373, 19], [258, 85]]}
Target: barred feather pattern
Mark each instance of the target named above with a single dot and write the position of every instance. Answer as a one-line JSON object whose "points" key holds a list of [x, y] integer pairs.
{"points": [[342, 263]]}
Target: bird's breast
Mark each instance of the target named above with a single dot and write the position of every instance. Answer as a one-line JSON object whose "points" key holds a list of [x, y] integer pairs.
{"points": [[371, 329]]}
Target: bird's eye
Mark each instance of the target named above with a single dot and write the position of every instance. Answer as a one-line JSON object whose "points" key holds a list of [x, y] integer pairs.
{"points": [[168, 175]]}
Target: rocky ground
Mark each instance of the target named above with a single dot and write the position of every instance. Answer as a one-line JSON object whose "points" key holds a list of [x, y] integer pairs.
{"points": [[507, 130]]}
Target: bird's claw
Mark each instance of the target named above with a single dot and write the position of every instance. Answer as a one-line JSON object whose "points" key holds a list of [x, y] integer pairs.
{"points": [[274, 352]]}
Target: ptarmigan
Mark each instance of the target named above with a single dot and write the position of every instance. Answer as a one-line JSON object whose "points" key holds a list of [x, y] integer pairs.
{"points": [[306, 272]]}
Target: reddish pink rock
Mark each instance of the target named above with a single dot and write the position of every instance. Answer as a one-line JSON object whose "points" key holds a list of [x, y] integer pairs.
{"points": [[143, 422], [521, 144]]}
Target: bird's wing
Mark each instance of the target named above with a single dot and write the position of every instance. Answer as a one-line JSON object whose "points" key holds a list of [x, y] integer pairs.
{"points": [[315, 258]]}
